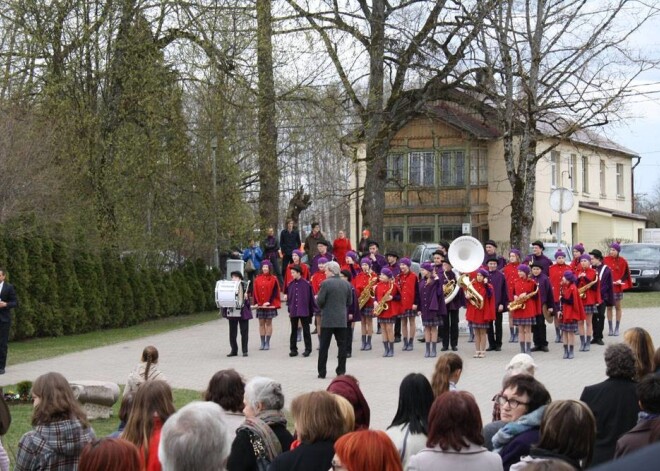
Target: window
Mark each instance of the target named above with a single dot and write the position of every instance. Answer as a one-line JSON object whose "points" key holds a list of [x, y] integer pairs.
{"points": [[478, 167], [395, 168], [602, 178], [619, 180], [574, 174], [555, 168], [452, 168], [585, 174], [394, 234], [450, 232], [421, 169], [421, 234]]}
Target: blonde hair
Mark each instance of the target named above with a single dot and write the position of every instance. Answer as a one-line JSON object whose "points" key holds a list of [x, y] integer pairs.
{"points": [[347, 413], [641, 343], [317, 417]]}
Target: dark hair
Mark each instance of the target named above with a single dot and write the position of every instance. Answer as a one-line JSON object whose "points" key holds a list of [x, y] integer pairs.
{"points": [[296, 268], [348, 387], [109, 454], [57, 401], [561, 420], [237, 274], [656, 359], [226, 388], [347, 274], [454, 421], [150, 356], [446, 365], [315, 224], [620, 361], [415, 400], [525, 384], [125, 407], [648, 393]]}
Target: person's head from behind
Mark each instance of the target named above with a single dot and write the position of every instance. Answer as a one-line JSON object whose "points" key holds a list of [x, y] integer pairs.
{"points": [[262, 394], [641, 343], [620, 361], [521, 395], [125, 407], [54, 401], [227, 389], [150, 354], [317, 417], [348, 387], [454, 422], [366, 450], [415, 400], [347, 413], [561, 420], [195, 437], [448, 369], [648, 394], [109, 454], [153, 399]]}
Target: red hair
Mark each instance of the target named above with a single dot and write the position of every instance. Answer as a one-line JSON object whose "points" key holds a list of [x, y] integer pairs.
{"points": [[367, 450], [454, 421], [109, 454]]}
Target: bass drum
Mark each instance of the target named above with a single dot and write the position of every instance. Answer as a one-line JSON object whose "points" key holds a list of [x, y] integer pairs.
{"points": [[229, 294]]}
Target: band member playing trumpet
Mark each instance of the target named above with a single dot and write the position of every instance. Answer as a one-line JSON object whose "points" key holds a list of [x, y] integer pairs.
{"points": [[545, 303], [386, 306], [431, 306], [510, 272], [449, 323], [621, 280], [407, 282], [366, 280], [267, 299], [570, 312], [525, 317], [556, 273], [587, 281], [238, 322], [480, 314]]}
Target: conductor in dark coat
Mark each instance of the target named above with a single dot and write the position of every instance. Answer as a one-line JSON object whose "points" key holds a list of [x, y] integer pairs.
{"points": [[333, 299], [8, 301], [613, 402]]}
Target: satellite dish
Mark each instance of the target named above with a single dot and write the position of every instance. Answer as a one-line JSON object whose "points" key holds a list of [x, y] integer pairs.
{"points": [[561, 200]]}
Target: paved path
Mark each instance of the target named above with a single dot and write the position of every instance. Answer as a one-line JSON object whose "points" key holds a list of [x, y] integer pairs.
{"points": [[190, 356]]}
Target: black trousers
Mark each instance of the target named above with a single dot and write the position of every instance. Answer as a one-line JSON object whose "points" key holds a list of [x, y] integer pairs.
{"points": [[449, 329], [340, 338], [539, 332], [495, 331], [397, 328], [286, 260], [293, 338], [598, 321], [234, 324], [4, 342]]}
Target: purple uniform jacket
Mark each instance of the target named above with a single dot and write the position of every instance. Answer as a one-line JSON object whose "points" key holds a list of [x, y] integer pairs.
{"points": [[379, 264], [353, 308], [545, 291], [431, 299], [498, 282], [544, 261], [246, 312], [396, 271], [300, 299], [500, 261], [459, 300], [606, 286], [314, 265]]}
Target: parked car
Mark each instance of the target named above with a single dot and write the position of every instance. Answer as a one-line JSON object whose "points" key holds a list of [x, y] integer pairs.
{"points": [[644, 263], [422, 253], [552, 247]]}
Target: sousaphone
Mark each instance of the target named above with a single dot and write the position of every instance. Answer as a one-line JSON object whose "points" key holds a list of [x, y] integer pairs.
{"points": [[466, 254]]}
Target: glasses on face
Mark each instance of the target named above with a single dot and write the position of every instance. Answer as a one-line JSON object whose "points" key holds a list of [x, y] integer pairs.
{"points": [[513, 403]]}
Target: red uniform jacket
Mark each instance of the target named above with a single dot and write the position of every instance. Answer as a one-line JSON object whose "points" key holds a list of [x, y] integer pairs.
{"points": [[525, 287], [571, 304], [487, 313], [287, 274], [620, 271], [408, 289], [360, 282], [267, 290], [393, 304], [510, 271], [575, 265], [593, 293], [317, 278], [556, 274]]}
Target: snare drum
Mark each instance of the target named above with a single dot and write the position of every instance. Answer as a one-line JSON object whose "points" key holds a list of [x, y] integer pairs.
{"points": [[229, 294]]}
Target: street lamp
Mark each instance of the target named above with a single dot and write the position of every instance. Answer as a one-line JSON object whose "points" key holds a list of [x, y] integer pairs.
{"points": [[216, 252]]}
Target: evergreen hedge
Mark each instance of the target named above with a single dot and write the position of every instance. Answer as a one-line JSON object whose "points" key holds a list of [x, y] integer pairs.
{"points": [[62, 290]]}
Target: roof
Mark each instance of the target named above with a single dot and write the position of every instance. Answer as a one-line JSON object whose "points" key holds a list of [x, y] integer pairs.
{"points": [[585, 136], [462, 121], [612, 212]]}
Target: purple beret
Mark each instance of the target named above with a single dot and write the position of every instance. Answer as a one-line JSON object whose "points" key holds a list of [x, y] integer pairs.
{"points": [[579, 248], [365, 261], [266, 263], [559, 253], [523, 268], [482, 272], [616, 246], [387, 272], [570, 276], [353, 255], [322, 261], [299, 253], [586, 257], [405, 261], [428, 266], [515, 251]]}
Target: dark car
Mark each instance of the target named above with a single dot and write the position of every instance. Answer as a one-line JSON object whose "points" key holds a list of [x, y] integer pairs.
{"points": [[644, 263]]}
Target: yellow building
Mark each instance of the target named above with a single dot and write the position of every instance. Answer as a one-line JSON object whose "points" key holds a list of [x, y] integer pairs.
{"points": [[446, 169]]}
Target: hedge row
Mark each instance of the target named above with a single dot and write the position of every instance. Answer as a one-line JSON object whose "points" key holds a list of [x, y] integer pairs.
{"points": [[64, 291]]}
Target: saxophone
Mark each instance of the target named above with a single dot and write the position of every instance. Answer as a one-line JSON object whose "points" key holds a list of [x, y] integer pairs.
{"points": [[583, 289], [382, 305], [522, 300], [367, 292]]}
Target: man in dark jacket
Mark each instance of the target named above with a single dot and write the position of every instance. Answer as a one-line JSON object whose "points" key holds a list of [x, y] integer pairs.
{"points": [[641, 435], [606, 295], [289, 241], [8, 301], [333, 299]]}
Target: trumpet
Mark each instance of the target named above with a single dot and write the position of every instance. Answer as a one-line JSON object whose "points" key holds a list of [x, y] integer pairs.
{"points": [[367, 292], [383, 305], [522, 300]]}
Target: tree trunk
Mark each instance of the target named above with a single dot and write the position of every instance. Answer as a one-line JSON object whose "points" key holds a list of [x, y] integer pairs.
{"points": [[269, 174]]}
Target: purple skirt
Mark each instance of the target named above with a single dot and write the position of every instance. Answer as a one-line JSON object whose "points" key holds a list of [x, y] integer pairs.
{"points": [[266, 313], [525, 321], [389, 320], [408, 313], [571, 327], [618, 296], [437, 322]]}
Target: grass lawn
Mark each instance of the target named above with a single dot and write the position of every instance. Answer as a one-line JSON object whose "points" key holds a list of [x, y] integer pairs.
{"points": [[37, 349], [637, 299], [21, 415]]}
